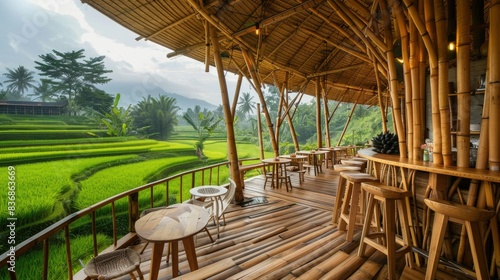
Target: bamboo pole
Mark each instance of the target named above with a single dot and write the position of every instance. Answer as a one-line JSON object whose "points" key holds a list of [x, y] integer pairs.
{"points": [[236, 94], [463, 93], [250, 64], [416, 111], [326, 113], [259, 132], [318, 113], [232, 152], [494, 84], [444, 109], [348, 120], [396, 105], [401, 23], [433, 81], [207, 46]]}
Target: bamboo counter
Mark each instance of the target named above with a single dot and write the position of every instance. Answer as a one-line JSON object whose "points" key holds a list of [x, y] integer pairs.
{"points": [[484, 193]]}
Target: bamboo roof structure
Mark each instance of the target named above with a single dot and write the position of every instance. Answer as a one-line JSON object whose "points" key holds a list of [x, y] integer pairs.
{"points": [[302, 40]]}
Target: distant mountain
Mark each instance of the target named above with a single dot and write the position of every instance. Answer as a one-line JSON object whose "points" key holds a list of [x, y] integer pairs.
{"points": [[132, 93]]}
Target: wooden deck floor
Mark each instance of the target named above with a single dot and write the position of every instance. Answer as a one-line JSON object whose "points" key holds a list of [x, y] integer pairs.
{"points": [[290, 237]]}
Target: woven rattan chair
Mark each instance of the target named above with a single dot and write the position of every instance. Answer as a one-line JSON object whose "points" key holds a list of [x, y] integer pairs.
{"points": [[114, 264]]}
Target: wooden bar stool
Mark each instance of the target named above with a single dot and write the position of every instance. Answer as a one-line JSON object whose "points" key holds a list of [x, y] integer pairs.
{"points": [[470, 216], [341, 189], [350, 203], [390, 197]]}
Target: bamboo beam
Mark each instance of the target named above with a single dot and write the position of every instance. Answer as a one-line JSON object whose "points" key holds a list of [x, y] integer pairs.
{"points": [[231, 142], [253, 72], [346, 49], [187, 49], [236, 95], [494, 85], [207, 46], [278, 17], [415, 111], [169, 26], [259, 132], [336, 70], [463, 83], [348, 120]]}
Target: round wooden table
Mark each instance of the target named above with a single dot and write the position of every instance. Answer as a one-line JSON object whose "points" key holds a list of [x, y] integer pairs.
{"points": [[171, 225], [276, 162]]}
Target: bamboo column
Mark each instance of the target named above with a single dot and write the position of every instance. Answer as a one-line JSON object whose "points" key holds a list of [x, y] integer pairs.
{"points": [[416, 111], [463, 83], [232, 152], [326, 113], [494, 84], [259, 132], [444, 109], [319, 142], [396, 105]]}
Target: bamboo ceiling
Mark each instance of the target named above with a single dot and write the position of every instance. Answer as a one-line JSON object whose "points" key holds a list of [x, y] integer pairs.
{"points": [[331, 39]]}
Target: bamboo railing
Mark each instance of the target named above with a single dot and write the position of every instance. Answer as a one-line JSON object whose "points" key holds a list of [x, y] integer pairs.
{"points": [[188, 179]]}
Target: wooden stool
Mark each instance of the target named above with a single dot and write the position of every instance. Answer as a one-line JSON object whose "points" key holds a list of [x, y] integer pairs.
{"points": [[350, 203], [390, 197], [340, 191], [470, 216]]}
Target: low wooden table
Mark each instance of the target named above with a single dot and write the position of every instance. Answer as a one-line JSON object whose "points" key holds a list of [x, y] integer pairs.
{"points": [[171, 225]]}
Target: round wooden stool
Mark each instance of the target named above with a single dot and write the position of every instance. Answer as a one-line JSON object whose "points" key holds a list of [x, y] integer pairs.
{"points": [[390, 197], [343, 167], [350, 203], [470, 216]]}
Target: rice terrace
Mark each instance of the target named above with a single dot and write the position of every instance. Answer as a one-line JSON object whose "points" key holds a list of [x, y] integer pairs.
{"points": [[63, 164]]}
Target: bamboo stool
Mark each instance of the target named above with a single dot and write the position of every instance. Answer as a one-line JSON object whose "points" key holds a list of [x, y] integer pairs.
{"points": [[470, 216], [114, 264], [390, 197], [341, 189], [343, 167], [361, 164], [350, 203]]}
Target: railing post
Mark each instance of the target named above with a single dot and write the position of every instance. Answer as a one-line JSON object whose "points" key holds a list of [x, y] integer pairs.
{"points": [[133, 210]]}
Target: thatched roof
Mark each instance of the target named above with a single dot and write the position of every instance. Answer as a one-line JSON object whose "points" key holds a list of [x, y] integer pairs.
{"points": [[305, 40]]}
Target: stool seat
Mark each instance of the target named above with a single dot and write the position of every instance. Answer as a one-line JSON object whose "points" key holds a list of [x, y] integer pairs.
{"points": [[357, 177], [342, 167], [114, 264], [382, 190], [470, 216], [459, 211]]}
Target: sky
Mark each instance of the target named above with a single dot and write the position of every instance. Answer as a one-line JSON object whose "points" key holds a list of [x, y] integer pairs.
{"points": [[29, 28]]}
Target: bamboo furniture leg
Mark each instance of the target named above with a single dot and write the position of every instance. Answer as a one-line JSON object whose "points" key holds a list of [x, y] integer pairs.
{"points": [[339, 195], [470, 216], [389, 197]]}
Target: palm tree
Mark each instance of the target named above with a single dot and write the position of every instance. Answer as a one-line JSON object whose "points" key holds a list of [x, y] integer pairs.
{"points": [[19, 79], [246, 105], [45, 91], [204, 122], [156, 118]]}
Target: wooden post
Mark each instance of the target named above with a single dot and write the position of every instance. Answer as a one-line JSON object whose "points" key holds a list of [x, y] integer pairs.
{"points": [[326, 113], [232, 152], [259, 132]]}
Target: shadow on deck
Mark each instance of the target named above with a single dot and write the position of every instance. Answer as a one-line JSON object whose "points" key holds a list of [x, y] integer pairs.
{"points": [[290, 237]]}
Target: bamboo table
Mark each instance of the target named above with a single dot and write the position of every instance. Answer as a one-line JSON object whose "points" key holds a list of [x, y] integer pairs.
{"points": [[300, 161], [314, 155], [215, 193], [276, 164], [171, 225]]}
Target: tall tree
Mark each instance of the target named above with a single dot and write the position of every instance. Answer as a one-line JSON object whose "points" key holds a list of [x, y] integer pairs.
{"points": [[70, 72], [246, 105], [19, 80], [95, 99], [44, 91], [204, 122], [156, 117]]}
